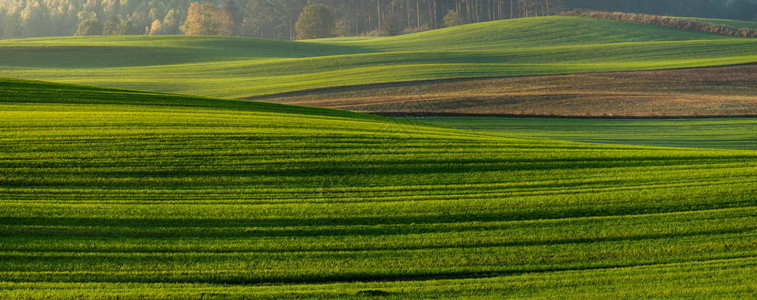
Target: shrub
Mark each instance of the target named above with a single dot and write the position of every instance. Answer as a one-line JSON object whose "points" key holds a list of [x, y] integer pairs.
{"points": [[90, 27], [423, 27], [453, 18], [665, 22]]}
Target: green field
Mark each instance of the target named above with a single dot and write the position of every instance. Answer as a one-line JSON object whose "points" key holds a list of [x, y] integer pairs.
{"points": [[237, 67], [116, 193], [137, 194], [723, 133]]}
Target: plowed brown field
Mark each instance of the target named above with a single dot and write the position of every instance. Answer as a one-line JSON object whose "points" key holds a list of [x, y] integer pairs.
{"points": [[722, 91]]}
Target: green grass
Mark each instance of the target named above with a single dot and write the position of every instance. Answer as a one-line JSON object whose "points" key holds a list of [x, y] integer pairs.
{"points": [[24, 91], [723, 133], [716, 279], [235, 67], [727, 22], [135, 194]]}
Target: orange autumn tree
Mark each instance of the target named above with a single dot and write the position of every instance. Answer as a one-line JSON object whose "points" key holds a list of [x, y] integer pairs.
{"points": [[207, 19]]}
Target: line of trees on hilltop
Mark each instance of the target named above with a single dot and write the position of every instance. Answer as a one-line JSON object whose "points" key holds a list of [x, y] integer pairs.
{"points": [[670, 22], [279, 19], [724, 9]]}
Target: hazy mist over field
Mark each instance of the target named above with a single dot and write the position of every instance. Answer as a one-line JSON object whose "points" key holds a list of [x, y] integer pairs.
{"points": [[278, 18]]}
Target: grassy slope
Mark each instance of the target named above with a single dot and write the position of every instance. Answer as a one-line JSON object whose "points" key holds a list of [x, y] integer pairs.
{"points": [[103, 194], [22, 91], [717, 91], [726, 133], [232, 67]]}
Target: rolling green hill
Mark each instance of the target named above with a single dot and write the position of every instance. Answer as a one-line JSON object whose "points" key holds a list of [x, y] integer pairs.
{"points": [[527, 33], [234, 67], [115, 193], [723, 133]]}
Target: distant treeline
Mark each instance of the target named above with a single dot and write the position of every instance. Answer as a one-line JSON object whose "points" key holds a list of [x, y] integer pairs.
{"points": [[745, 10], [278, 18], [665, 22]]}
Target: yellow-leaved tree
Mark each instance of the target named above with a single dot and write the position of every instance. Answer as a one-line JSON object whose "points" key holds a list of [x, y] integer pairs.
{"points": [[207, 19]]}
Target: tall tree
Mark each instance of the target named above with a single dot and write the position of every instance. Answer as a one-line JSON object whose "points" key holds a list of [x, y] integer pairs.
{"points": [[207, 19], [156, 27], [236, 15], [127, 28], [288, 11], [259, 19], [453, 18], [111, 25], [90, 27], [171, 23], [315, 21], [2, 23]]}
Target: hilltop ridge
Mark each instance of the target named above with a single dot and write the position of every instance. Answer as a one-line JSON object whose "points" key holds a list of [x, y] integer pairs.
{"points": [[238, 67]]}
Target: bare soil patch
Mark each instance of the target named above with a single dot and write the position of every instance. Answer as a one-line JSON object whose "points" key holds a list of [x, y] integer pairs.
{"points": [[714, 92]]}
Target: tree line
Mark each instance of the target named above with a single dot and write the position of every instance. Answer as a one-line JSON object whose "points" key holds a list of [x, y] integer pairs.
{"points": [[670, 22], [278, 19]]}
